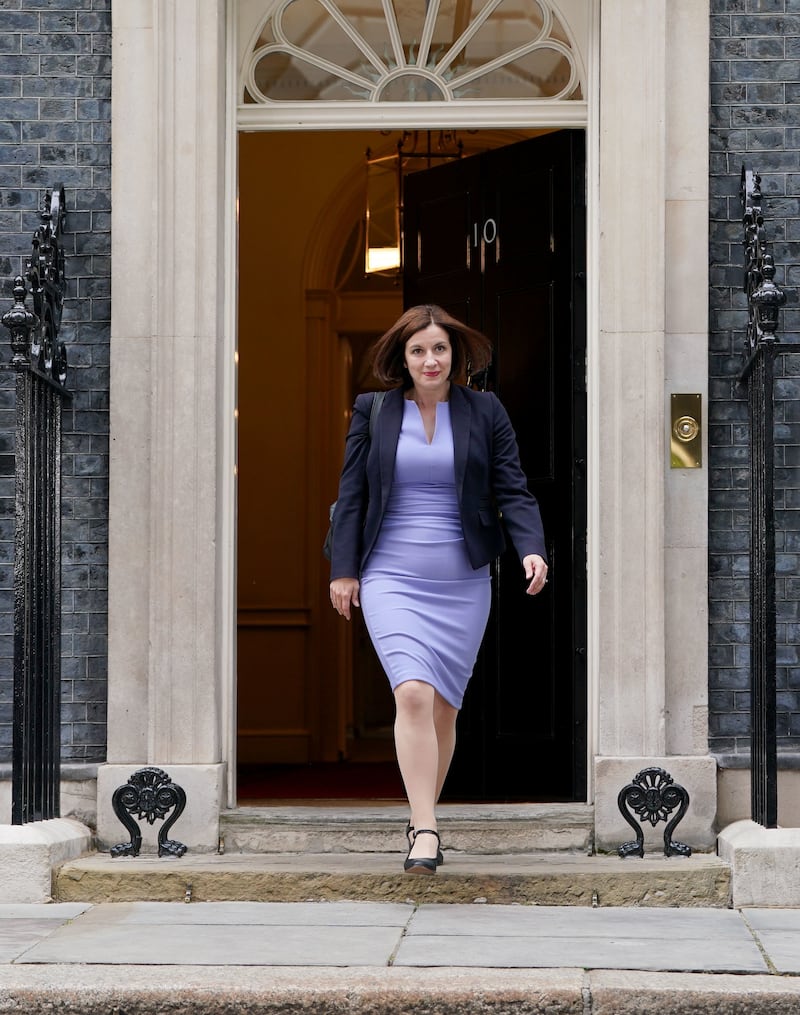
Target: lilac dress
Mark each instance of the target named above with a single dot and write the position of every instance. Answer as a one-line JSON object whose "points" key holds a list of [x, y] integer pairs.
{"points": [[424, 606]]}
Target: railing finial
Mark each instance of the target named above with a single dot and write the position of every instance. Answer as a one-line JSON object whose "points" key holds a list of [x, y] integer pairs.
{"points": [[764, 297], [21, 322]]}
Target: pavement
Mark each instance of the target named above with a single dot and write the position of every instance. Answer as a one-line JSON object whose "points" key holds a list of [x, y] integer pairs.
{"points": [[396, 957]]}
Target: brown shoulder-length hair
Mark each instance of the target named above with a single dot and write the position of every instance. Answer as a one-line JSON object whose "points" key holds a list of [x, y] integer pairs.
{"points": [[472, 350]]}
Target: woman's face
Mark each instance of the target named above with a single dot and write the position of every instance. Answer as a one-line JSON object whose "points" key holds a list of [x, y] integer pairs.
{"points": [[429, 360]]}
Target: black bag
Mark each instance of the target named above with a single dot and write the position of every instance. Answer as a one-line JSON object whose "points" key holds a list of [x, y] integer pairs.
{"points": [[377, 401]]}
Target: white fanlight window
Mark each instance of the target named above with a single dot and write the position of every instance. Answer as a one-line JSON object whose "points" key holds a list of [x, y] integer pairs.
{"points": [[388, 51]]}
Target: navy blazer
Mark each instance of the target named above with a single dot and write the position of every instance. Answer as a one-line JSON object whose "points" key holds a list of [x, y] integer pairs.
{"points": [[489, 481]]}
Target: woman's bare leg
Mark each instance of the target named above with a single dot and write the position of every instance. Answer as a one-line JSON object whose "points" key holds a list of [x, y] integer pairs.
{"points": [[425, 738], [444, 719], [416, 743]]}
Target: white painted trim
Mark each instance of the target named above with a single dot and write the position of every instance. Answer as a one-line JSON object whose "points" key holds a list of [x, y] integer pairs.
{"points": [[227, 430], [400, 115], [593, 398]]}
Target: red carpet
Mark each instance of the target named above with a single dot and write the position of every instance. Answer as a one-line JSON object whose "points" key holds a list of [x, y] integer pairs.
{"points": [[337, 780]]}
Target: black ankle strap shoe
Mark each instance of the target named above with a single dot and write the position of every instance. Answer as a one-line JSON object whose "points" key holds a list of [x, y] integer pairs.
{"points": [[410, 836], [422, 864]]}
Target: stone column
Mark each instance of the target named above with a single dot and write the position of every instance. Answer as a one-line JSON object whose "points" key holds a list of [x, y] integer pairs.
{"points": [[645, 251], [686, 370], [167, 278]]}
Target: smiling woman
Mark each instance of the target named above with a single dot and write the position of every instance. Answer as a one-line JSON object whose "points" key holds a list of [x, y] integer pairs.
{"points": [[419, 507], [428, 360]]}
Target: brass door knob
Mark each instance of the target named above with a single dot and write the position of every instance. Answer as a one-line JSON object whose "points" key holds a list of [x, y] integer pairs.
{"points": [[686, 428]]}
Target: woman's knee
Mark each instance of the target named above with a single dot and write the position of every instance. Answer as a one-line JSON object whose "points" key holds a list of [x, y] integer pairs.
{"points": [[414, 697]]}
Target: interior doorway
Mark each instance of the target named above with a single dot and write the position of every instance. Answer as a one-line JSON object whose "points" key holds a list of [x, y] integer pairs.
{"points": [[315, 713]]}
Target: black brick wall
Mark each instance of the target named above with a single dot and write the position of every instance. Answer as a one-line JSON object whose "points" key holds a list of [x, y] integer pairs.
{"points": [[755, 120], [55, 127]]}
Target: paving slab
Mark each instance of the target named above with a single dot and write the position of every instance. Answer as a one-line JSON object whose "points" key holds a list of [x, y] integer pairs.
{"points": [[778, 930], [285, 914], [566, 921], [543, 936], [587, 953], [221, 945], [332, 934], [56, 911], [19, 936], [24, 925]]}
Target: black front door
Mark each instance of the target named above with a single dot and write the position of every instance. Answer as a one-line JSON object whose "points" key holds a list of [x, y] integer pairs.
{"points": [[499, 241]]}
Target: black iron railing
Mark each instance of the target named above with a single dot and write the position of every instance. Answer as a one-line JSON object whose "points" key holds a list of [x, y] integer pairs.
{"points": [[764, 301], [38, 360]]}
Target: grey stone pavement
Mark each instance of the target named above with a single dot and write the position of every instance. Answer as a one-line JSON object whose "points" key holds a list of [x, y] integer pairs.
{"points": [[563, 956], [395, 934], [392, 934]]}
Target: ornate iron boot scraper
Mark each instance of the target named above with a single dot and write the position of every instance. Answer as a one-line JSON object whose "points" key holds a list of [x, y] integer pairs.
{"points": [[653, 795], [150, 794]]}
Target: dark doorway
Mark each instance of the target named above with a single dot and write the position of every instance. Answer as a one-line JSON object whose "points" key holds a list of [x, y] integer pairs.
{"points": [[314, 709], [499, 240]]}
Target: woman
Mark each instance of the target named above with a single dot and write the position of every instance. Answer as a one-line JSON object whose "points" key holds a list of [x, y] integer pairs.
{"points": [[417, 524]]}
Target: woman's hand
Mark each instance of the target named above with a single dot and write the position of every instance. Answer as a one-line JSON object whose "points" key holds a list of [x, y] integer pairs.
{"points": [[535, 572], [344, 591]]}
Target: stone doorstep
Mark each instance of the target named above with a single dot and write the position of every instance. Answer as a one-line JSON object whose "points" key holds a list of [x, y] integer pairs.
{"points": [[355, 827], [533, 879]]}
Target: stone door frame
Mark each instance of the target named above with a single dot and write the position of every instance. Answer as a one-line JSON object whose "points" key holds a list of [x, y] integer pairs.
{"points": [[172, 488]]}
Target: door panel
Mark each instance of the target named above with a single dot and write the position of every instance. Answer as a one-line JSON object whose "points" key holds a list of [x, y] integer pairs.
{"points": [[515, 268], [440, 250], [527, 372], [438, 258]]}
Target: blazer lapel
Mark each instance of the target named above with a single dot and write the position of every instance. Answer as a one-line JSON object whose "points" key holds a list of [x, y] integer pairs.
{"points": [[460, 412], [387, 432]]}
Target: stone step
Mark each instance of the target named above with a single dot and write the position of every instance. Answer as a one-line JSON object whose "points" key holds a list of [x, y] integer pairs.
{"points": [[358, 828], [552, 879]]}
